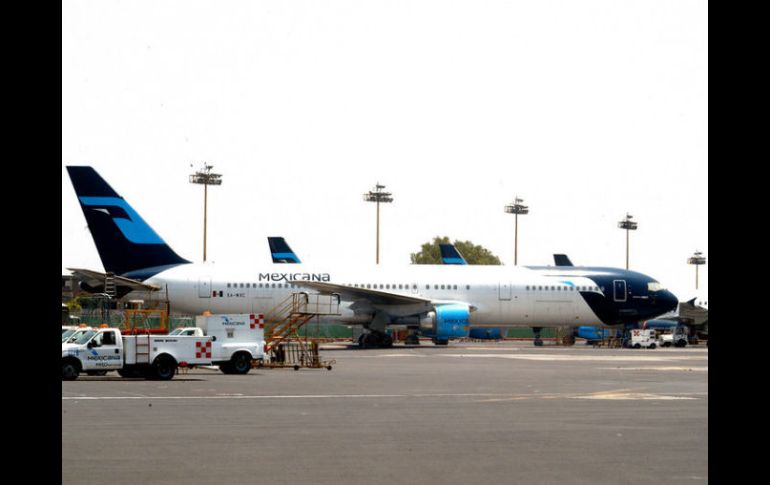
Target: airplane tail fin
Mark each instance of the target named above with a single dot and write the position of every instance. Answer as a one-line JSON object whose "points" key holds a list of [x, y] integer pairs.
{"points": [[281, 251], [450, 254], [125, 242], [562, 260]]}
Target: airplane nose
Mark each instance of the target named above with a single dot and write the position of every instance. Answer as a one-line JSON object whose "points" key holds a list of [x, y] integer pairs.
{"points": [[669, 300]]}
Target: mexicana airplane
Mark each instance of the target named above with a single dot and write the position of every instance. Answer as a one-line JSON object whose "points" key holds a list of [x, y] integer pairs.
{"points": [[442, 302]]}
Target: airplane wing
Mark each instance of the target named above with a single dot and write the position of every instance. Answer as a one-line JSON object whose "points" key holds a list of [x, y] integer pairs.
{"points": [[351, 293], [94, 278]]}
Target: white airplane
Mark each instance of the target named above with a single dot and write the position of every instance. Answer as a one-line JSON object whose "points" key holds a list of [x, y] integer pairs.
{"points": [[695, 313], [442, 302]]}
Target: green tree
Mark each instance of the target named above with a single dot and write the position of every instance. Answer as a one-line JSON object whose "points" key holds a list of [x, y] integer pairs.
{"points": [[473, 254]]}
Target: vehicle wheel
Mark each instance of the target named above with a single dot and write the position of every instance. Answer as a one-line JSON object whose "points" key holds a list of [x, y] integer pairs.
{"points": [[296, 367], [226, 368], [241, 363], [637, 346], [69, 371], [652, 346], [368, 341], [328, 367], [163, 369]]}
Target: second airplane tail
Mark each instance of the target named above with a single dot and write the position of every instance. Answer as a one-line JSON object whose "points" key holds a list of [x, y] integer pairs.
{"points": [[281, 251]]}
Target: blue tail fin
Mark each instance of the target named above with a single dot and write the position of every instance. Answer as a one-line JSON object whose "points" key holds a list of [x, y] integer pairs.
{"points": [[450, 255], [125, 242], [281, 251], [562, 260]]}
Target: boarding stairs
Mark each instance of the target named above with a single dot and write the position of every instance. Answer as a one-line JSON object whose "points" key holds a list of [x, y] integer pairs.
{"points": [[282, 323]]}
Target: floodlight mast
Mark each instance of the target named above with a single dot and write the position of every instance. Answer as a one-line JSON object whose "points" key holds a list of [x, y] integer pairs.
{"points": [[205, 177], [628, 225], [378, 195], [516, 208], [696, 259]]}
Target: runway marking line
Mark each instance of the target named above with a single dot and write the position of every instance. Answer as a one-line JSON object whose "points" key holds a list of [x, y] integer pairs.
{"points": [[617, 395]]}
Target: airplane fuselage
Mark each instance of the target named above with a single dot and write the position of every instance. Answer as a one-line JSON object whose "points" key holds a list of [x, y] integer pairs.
{"points": [[499, 295]]}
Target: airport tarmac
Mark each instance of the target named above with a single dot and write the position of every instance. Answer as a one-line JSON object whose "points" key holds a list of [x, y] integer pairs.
{"points": [[470, 413]]}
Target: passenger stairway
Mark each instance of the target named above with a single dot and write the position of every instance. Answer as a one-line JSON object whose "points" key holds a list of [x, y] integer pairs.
{"points": [[282, 323]]}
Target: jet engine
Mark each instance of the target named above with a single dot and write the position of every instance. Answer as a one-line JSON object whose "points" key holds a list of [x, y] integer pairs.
{"points": [[446, 322]]}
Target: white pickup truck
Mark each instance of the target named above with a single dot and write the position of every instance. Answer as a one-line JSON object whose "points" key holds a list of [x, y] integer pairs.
{"points": [[149, 356], [677, 338], [238, 339]]}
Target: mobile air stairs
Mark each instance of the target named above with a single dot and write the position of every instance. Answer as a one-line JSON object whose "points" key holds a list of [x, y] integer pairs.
{"points": [[284, 347]]}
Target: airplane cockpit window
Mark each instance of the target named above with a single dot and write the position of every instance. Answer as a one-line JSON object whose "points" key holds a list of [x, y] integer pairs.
{"points": [[654, 286]]}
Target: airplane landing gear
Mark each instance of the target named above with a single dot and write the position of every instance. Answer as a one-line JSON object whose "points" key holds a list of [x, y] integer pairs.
{"points": [[412, 339], [538, 341], [375, 340]]}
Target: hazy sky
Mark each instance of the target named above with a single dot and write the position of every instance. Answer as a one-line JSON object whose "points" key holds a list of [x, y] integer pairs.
{"points": [[586, 109]]}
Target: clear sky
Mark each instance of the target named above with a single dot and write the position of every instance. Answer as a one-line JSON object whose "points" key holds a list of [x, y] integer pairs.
{"points": [[587, 110]]}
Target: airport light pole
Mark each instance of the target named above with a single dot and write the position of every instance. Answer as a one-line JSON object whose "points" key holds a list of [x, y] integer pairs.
{"points": [[628, 225], [379, 196], [205, 177], [696, 259], [516, 208]]}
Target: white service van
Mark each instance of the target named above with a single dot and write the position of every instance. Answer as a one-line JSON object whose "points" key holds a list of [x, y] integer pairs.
{"points": [[238, 339], [643, 338], [149, 356]]}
